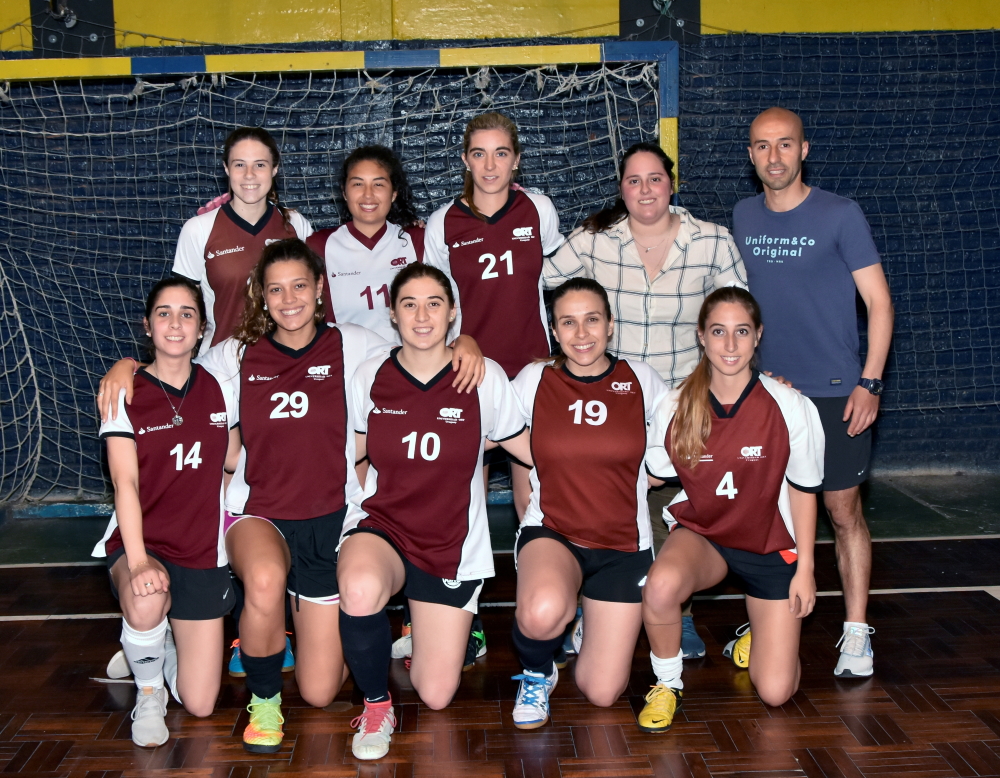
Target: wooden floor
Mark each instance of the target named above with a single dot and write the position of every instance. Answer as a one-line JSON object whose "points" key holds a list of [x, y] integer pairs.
{"points": [[932, 709]]}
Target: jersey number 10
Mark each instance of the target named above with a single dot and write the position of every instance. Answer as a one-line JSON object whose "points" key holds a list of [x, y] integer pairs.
{"points": [[430, 446]]}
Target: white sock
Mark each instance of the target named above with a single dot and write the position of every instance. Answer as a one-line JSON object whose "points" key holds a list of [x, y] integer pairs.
{"points": [[170, 664], [144, 652], [668, 671], [849, 624]]}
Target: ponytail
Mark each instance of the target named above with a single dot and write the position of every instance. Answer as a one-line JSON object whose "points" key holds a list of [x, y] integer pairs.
{"points": [[692, 422]]}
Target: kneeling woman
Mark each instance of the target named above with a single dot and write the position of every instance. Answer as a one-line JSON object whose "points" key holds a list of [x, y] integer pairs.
{"points": [[749, 454], [167, 453], [585, 527], [420, 525]]}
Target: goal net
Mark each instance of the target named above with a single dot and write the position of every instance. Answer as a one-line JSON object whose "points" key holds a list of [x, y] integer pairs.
{"points": [[98, 176]]}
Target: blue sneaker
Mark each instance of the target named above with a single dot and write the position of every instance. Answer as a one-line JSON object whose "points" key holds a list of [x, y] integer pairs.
{"points": [[236, 663], [692, 646], [531, 709]]}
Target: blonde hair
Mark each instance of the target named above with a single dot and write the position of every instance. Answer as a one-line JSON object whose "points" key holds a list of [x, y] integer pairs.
{"points": [[693, 418], [486, 121]]}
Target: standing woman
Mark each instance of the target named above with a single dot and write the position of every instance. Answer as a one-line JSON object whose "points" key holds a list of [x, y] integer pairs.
{"points": [[749, 453], [595, 537], [420, 526], [168, 454], [218, 250], [491, 242]]}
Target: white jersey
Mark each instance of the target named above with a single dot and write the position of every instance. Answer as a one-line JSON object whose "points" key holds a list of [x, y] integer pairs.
{"points": [[425, 482], [218, 250], [298, 455], [600, 420], [360, 270]]}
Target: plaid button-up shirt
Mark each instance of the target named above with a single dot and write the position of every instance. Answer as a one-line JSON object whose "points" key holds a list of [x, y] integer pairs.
{"points": [[656, 320]]}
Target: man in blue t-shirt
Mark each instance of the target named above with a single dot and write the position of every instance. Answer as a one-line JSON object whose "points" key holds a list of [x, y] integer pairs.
{"points": [[808, 253]]}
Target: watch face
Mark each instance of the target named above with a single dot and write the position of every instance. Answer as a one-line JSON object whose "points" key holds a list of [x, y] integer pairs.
{"points": [[873, 385]]}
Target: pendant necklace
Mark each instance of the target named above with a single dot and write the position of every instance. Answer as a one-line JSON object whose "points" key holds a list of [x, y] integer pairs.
{"points": [[637, 243], [177, 420]]}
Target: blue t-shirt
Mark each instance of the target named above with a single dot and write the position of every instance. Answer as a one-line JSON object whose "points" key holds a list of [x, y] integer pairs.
{"points": [[799, 266]]}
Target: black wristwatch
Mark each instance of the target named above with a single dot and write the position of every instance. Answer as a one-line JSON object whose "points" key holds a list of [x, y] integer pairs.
{"points": [[873, 385]]}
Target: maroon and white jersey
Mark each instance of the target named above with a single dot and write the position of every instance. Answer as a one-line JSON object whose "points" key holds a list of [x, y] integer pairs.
{"points": [[738, 494], [218, 250], [496, 269], [425, 444], [359, 272], [298, 438], [180, 468], [588, 441]]}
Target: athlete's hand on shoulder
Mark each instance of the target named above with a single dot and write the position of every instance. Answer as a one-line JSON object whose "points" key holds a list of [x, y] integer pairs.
{"points": [[467, 360], [781, 380], [144, 573], [802, 594], [121, 375], [215, 202], [862, 408]]}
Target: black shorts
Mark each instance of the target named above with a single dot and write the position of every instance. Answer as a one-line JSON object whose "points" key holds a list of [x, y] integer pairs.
{"points": [[195, 595], [424, 587], [609, 575], [764, 576], [845, 464], [312, 544]]}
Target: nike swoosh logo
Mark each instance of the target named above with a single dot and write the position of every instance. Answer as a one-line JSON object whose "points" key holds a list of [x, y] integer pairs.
{"points": [[224, 595]]}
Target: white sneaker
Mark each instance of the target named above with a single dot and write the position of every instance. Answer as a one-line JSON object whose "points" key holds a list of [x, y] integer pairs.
{"points": [[119, 667], [856, 656], [148, 727], [403, 648], [531, 709], [170, 665], [375, 726], [578, 635]]}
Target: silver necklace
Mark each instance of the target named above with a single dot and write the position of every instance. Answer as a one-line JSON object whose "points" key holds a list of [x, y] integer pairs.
{"points": [[177, 420], [637, 243]]}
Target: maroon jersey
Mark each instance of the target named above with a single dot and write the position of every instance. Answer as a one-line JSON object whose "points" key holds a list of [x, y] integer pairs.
{"points": [[293, 417], [218, 250], [588, 442], [180, 468], [496, 266], [425, 443], [738, 493]]}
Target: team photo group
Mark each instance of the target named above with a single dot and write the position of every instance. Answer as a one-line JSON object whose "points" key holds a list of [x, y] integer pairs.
{"points": [[312, 428]]}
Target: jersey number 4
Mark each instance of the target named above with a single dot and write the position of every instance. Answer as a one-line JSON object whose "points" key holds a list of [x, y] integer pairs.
{"points": [[726, 488], [430, 446], [489, 272], [299, 402], [597, 412], [193, 457]]}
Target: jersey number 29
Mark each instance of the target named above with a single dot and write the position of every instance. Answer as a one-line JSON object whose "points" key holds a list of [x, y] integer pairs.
{"points": [[299, 402]]}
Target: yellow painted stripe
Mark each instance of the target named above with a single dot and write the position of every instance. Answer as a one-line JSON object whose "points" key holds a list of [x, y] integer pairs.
{"points": [[35, 69], [520, 55], [492, 19], [15, 25], [777, 16], [669, 141], [290, 61]]}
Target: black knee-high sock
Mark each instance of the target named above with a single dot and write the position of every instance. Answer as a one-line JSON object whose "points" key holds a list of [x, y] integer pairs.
{"points": [[263, 673], [535, 655], [367, 643]]}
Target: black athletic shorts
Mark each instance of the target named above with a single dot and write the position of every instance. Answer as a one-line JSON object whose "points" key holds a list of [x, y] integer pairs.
{"points": [[764, 576], [424, 587], [195, 595], [846, 462], [313, 546], [609, 575]]}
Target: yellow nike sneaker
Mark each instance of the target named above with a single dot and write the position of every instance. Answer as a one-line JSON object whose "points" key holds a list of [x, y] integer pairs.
{"points": [[263, 734], [739, 649], [661, 705]]}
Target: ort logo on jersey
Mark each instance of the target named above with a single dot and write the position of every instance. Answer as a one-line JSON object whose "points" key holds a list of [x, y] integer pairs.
{"points": [[621, 386], [752, 453], [217, 419], [523, 233], [319, 371], [398, 262], [451, 415]]}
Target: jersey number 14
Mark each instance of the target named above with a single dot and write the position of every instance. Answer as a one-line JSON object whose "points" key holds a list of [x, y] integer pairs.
{"points": [[193, 457]]}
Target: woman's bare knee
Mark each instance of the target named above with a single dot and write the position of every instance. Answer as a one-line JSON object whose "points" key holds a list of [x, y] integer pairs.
{"points": [[436, 695], [318, 695], [360, 593], [200, 707], [264, 586], [600, 693], [775, 691], [543, 615], [665, 588]]}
